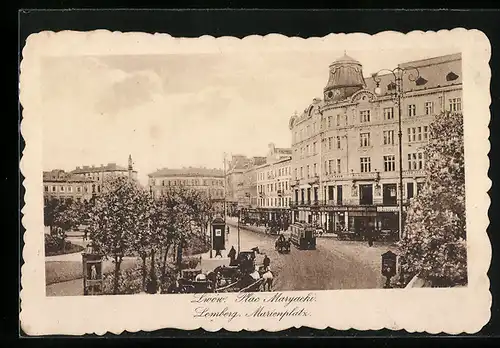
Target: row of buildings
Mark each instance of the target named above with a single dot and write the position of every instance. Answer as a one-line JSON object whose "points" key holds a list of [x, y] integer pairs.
{"points": [[83, 182], [342, 170]]}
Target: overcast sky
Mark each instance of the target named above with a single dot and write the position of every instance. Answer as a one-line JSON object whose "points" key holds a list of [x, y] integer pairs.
{"points": [[183, 110]]}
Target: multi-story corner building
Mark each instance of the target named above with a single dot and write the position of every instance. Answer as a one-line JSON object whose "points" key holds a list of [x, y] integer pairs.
{"points": [[273, 183], [207, 180], [345, 165], [60, 185], [98, 174]]}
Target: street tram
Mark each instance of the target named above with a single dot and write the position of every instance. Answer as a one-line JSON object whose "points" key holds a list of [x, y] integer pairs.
{"points": [[303, 235]]}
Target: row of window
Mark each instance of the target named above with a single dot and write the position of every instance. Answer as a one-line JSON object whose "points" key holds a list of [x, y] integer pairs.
{"points": [[78, 189], [67, 200], [192, 182], [273, 187], [284, 171], [415, 134], [274, 202], [415, 162], [335, 193], [211, 193], [454, 105]]}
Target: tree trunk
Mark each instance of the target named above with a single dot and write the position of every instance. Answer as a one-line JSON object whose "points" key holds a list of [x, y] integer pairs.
{"points": [[118, 262], [152, 286], [153, 261], [144, 270], [164, 265], [179, 255], [174, 254]]}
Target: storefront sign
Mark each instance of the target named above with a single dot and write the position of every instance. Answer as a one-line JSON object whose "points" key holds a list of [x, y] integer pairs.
{"points": [[388, 209], [354, 209], [363, 213]]}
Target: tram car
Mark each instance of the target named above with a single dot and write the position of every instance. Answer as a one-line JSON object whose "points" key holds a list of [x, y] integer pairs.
{"points": [[303, 236]]}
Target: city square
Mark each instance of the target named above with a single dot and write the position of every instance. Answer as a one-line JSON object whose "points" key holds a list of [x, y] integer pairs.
{"points": [[348, 193]]}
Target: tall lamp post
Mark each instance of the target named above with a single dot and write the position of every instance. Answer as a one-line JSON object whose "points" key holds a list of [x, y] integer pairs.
{"points": [[239, 217], [398, 74]]}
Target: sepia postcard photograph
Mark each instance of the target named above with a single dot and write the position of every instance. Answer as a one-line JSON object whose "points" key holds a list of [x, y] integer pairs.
{"points": [[258, 183]]}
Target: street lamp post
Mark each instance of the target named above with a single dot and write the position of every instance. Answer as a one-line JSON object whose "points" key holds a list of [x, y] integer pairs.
{"points": [[398, 74], [239, 216]]}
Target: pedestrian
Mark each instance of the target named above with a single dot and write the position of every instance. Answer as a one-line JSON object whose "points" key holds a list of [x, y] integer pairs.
{"points": [[218, 253], [227, 230], [369, 234], [267, 261], [232, 256]]}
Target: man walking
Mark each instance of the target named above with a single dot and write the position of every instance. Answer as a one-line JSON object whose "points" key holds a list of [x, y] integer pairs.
{"points": [[369, 234], [267, 261]]}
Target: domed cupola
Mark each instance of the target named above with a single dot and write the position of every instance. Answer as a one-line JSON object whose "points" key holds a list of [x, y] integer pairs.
{"points": [[346, 78]]}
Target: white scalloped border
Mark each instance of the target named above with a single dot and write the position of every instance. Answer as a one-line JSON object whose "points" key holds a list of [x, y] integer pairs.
{"points": [[456, 310]]}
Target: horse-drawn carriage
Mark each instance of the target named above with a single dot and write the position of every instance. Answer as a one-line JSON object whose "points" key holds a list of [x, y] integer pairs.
{"points": [[244, 276], [192, 281], [282, 245]]}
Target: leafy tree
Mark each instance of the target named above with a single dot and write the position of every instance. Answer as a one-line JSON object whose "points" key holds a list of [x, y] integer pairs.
{"points": [[114, 220], [178, 216], [69, 215], [141, 238], [434, 247], [50, 211]]}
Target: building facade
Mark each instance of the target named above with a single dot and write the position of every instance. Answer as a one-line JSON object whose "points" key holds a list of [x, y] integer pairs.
{"points": [[82, 183], [273, 184], [207, 180], [60, 185], [345, 160], [98, 174], [241, 182]]}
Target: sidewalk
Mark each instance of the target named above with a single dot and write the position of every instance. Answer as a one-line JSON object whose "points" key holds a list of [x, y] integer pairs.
{"points": [[262, 229]]}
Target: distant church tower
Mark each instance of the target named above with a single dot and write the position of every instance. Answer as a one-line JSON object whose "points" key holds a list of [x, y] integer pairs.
{"points": [[130, 168]]}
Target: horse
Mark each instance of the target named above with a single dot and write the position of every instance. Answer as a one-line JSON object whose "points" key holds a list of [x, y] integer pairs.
{"points": [[268, 277], [287, 245], [282, 244]]}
